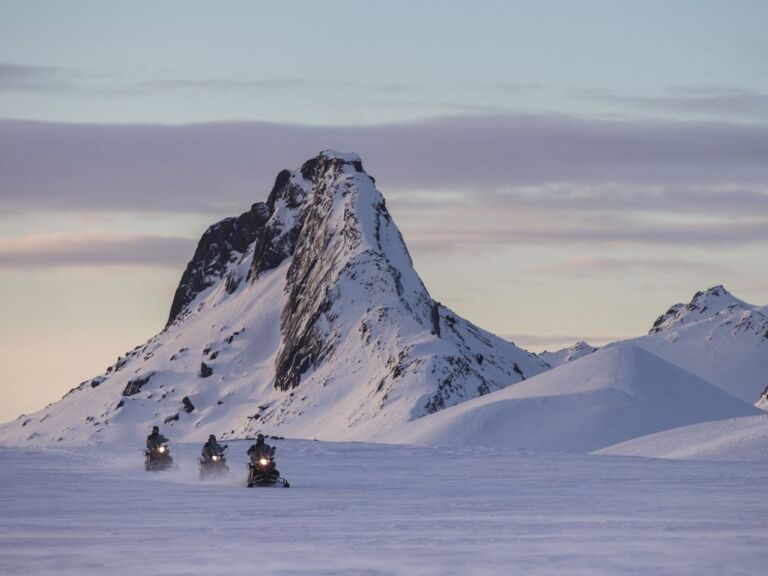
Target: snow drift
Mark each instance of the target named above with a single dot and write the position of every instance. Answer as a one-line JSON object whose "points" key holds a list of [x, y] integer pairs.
{"points": [[742, 439], [612, 395]]}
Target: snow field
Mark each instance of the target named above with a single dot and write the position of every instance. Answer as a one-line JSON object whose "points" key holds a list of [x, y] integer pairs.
{"points": [[380, 509]]}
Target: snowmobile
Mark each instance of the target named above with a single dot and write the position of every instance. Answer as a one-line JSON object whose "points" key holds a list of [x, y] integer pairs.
{"points": [[215, 466], [263, 472], [158, 458]]}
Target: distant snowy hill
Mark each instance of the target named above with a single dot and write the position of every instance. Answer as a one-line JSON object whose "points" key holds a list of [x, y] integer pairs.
{"points": [[718, 337], [566, 355], [303, 316], [742, 439], [615, 394]]}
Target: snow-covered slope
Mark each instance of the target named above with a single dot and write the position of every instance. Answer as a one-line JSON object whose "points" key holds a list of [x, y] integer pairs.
{"points": [[375, 510], [304, 317], [615, 394], [566, 355], [742, 439], [718, 337]]}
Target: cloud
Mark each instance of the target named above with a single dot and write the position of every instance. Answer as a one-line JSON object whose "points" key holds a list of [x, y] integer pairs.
{"points": [[451, 229], [588, 267], [197, 168], [20, 77], [694, 100], [56, 250], [453, 183], [720, 200]]}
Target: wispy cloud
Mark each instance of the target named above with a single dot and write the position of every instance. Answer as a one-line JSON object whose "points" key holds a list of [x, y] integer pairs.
{"points": [[25, 78], [56, 250], [468, 181], [721, 102], [588, 267], [154, 167], [451, 229]]}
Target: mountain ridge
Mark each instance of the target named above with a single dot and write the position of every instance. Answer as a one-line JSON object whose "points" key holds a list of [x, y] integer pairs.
{"points": [[319, 327]]}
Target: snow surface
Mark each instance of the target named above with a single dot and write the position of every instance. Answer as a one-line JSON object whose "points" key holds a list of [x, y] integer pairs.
{"points": [[380, 510], [736, 439], [615, 394], [349, 299], [568, 354], [718, 337]]}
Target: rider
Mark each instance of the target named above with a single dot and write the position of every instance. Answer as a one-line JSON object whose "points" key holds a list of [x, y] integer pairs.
{"points": [[155, 440], [211, 447], [260, 450]]}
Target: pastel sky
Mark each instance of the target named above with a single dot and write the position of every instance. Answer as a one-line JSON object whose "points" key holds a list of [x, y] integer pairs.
{"points": [[559, 170]]}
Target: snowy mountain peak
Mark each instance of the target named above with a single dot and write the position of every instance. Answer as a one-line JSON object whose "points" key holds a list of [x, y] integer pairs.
{"points": [[718, 337], [617, 393], [302, 316], [702, 305], [569, 354], [346, 157]]}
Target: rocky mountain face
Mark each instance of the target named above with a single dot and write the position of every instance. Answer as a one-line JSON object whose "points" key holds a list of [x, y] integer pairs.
{"points": [[303, 316], [715, 301], [221, 244], [719, 338]]}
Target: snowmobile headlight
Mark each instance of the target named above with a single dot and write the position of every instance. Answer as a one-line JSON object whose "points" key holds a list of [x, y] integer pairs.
{"points": [[214, 458], [263, 461], [161, 449]]}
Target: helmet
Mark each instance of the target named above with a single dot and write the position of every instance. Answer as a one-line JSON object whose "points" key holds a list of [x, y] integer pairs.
{"points": [[260, 438], [155, 430], [212, 438]]}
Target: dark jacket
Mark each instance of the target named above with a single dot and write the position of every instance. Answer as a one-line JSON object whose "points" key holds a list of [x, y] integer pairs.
{"points": [[154, 441], [211, 448], [260, 450]]}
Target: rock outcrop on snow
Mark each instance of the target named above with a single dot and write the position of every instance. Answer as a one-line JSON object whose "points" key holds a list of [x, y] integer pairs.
{"points": [[302, 316], [220, 245]]}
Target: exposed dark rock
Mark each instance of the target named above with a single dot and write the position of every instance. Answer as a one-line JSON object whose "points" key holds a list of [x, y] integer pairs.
{"points": [[436, 318], [232, 282], [121, 361], [96, 382], [221, 244], [457, 374], [214, 355], [277, 239], [120, 404], [188, 406], [205, 370], [516, 368], [172, 418], [310, 298], [134, 386]]}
